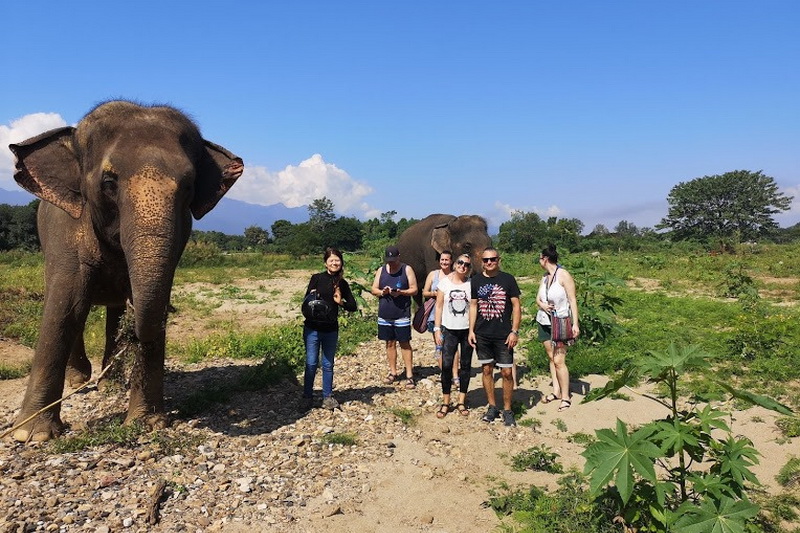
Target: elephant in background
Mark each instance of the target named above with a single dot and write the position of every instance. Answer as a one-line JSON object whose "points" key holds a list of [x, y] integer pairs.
{"points": [[421, 244], [119, 191]]}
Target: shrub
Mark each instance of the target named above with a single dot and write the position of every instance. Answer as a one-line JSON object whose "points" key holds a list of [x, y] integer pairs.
{"points": [[537, 458], [570, 509]]}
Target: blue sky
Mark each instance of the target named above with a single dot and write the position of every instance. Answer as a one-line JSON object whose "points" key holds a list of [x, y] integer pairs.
{"points": [[584, 109]]}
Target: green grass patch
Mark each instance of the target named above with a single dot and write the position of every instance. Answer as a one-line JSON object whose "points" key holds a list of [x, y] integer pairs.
{"points": [[282, 342], [789, 426], [111, 431], [344, 439], [405, 415], [534, 423], [14, 372], [559, 424], [583, 439]]}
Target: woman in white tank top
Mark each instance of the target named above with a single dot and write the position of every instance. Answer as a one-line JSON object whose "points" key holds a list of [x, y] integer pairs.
{"points": [[556, 297]]}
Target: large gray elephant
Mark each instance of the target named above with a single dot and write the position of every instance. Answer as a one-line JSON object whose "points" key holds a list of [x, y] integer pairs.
{"points": [[119, 192], [421, 243]]}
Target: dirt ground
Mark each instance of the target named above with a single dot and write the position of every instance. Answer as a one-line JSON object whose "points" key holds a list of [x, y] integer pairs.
{"points": [[438, 476]]}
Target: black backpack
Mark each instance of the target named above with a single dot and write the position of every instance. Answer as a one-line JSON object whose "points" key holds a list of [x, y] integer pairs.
{"points": [[314, 308]]}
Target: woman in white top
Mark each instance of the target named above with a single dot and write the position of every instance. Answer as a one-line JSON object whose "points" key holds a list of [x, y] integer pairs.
{"points": [[451, 331], [429, 291], [556, 297]]}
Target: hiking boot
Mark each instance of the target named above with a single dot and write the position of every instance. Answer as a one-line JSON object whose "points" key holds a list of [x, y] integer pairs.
{"points": [[330, 403], [491, 413], [508, 418]]}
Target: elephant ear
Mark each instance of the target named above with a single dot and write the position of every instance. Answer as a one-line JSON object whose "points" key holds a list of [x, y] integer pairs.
{"points": [[440, 237], [48, 167], [217, 171]]}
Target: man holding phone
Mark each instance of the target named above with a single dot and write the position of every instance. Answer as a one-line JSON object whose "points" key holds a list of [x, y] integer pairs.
{"points": [[394, 284]]}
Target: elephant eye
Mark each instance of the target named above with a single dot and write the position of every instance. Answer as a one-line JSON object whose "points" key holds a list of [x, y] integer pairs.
{"points": [[109, 182]]}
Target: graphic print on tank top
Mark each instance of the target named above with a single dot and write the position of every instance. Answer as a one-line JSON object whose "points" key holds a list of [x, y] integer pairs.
{"points": [[491, 301], [459, 302]]}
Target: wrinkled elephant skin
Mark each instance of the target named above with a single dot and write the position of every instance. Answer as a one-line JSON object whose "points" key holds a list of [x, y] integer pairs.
{"points": [[119, 191], [422, 242]]}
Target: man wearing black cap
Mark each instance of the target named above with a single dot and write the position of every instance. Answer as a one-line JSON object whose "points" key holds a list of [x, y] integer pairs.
{"points": [[394, 284]]}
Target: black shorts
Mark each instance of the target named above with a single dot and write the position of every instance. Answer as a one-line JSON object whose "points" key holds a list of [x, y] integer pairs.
{"points": [[495, 352], [394, 333], [545, 332]]}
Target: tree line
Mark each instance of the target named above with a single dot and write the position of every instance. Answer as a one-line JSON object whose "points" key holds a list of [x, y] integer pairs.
{"points": [[716, 211]]}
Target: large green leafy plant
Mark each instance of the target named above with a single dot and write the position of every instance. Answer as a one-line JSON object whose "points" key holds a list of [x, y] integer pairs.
{"points": [[597, 301], [685, 473]]}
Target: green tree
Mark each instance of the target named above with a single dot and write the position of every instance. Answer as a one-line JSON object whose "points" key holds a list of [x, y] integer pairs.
{"points": [[345, 234], [730, 207], [18, 226], [321, 214], [388, 225], [256, 236], [626, 229], [564, 232], [281, 231], [522, 233]]}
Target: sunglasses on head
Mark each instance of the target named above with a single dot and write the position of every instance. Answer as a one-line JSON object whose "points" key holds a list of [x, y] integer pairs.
{"points": [[463, 263], [490, 259]]}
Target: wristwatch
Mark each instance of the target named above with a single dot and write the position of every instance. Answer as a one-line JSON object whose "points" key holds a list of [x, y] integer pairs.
{"points": [[437, 328], [515, 332]]}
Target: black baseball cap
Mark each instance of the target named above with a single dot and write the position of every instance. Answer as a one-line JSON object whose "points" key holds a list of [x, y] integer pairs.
{"points": [[392, 253]]}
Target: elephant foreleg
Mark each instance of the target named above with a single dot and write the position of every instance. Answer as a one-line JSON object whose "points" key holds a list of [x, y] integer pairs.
{"points": [[61, 325]]}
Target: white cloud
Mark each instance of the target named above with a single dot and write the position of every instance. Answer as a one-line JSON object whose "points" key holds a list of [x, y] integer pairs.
{"points": [[795, 192], [19, 130], [299, 185], [503, 212], [792, 216]]}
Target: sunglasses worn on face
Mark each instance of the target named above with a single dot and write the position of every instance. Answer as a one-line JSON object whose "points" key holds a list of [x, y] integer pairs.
{"points": [[463, 263], [490, 259]]}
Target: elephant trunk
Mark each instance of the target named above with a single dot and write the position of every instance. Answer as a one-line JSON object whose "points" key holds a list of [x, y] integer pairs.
{"points": [[153, 232], [151, 267]]}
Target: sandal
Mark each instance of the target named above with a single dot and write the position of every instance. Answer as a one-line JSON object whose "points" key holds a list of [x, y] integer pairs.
{"points": [[389, 379], [549, 398], [410, 384], [565, 404], [443, 410], [463, 410]]}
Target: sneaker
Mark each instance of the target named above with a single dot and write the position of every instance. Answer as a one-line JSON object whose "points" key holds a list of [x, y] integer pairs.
{"points": [[508, 418], [491, 413], [330, 403], [306, 403]]}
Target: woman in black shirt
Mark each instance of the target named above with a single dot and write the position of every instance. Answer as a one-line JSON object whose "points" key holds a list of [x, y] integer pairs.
{"points": [[321, 331]]}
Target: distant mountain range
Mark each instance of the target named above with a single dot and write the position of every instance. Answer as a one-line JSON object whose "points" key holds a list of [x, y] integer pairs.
{"points": [[229, 216]]}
